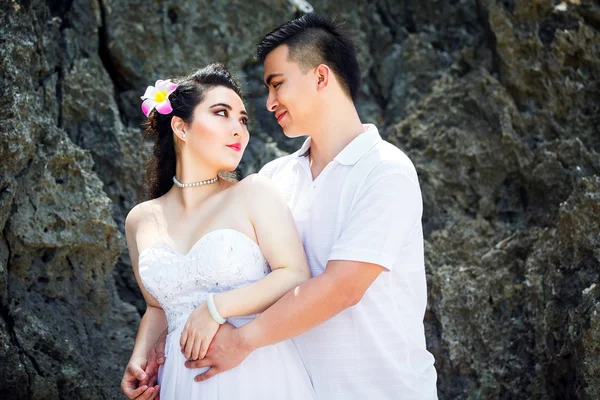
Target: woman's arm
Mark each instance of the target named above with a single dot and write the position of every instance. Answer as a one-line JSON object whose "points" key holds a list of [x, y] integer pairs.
{"points": [[153, 323], [281, 245]]}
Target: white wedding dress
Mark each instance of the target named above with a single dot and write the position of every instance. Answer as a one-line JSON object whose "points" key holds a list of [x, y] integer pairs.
{"points": [[219, 261]]}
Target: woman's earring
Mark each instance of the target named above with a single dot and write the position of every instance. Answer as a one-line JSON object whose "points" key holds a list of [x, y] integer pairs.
{"points": [[183, 135]]}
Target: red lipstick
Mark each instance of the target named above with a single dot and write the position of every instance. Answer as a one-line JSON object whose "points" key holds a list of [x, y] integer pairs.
{"points": [[235, 146]]}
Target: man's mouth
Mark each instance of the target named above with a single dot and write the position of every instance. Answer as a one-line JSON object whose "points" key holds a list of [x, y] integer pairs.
{"points": [[280, 116]]}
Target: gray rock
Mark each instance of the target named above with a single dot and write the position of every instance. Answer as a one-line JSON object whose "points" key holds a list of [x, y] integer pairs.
{"points": [[495, 102]]}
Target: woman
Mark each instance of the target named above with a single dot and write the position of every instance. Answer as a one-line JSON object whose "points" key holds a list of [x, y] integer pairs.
{"points": [[200, 248]]}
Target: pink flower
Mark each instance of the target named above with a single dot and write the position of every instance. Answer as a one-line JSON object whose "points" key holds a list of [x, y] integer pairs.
{"points": [[158, 96]]}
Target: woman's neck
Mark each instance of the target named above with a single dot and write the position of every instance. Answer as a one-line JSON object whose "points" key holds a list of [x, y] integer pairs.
{"points": [[189, 197]]}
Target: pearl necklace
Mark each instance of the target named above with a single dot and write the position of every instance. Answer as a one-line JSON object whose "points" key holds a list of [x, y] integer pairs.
{"points": [[185, 185]]}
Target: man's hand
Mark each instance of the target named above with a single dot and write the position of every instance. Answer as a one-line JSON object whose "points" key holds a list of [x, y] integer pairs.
{"points": [[133, 384], [225, 352]]}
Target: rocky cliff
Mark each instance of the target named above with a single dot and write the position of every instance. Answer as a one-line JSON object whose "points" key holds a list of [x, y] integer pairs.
{"points": [[496, 102]]}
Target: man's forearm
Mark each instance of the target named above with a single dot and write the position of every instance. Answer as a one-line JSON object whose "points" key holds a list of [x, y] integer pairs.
{"points": [[308, 305]]}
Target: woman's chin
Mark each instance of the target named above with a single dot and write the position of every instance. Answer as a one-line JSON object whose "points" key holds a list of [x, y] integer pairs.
{"points": [[230, 167]]}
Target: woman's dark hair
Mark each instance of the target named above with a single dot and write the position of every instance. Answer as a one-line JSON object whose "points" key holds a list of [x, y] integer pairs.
{"points": [[314, 39], [191, 91]]}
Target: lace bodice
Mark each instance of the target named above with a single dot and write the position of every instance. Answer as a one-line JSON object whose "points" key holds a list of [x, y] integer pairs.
{"points": [[219, 261]]}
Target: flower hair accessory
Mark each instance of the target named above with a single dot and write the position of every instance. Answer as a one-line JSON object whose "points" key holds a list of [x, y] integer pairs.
{"points": [[157, 96]]}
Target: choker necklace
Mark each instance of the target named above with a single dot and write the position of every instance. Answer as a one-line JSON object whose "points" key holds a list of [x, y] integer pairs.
{"points": [[185, 185]]}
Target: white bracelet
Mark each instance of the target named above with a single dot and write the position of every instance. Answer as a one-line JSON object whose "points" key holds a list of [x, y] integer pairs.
{"points": [[212, 309]]}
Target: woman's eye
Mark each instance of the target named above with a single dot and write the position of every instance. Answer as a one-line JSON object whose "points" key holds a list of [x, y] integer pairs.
{"points": [[276, 85], [222, 113], [244, 121]]}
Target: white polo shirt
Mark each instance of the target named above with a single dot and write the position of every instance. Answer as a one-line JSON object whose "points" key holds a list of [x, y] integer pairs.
{"points": [[365, 206]]}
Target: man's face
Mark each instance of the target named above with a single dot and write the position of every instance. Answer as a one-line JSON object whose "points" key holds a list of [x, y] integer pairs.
{"points": [[292, 93]]}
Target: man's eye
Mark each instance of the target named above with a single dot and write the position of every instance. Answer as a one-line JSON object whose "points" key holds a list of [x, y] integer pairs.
{"points": [[276, 85], [222, 113]]}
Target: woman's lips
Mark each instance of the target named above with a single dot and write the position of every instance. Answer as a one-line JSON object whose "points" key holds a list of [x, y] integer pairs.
{"points": [[236, 147]]}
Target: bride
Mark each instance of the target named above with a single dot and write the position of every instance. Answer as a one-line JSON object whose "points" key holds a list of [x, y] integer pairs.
{"points": [[205, 250]]}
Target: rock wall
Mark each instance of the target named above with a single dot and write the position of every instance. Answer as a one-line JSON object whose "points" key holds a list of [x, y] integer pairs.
{"points": [[496, 102]]}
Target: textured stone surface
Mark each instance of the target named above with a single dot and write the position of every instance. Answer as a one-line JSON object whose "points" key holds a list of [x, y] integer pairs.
{"points": [[496, 102], [510, 192]]}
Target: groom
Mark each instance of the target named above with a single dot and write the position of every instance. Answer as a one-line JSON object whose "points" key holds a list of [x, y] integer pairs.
{"points": [[358, 323]]}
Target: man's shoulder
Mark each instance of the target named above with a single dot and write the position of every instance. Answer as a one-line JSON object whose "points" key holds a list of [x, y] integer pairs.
{"points": [[385, 158]]}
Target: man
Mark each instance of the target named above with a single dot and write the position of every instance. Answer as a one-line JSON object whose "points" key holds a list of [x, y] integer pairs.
{"points": [[358, 323]]}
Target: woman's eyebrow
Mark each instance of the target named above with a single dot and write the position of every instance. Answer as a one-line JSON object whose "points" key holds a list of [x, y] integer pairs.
{"points": [[227, 106]]}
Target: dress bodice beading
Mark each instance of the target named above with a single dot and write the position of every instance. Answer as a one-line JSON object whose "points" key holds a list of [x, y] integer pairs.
{"points": [[219, 261]]}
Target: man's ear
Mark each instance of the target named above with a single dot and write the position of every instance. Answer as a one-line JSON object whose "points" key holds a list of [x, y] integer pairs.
{"points": [[178, 125], [323, 74]]}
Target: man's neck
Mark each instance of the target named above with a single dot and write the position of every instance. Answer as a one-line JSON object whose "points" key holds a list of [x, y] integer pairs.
{"points": [[334, 133]]}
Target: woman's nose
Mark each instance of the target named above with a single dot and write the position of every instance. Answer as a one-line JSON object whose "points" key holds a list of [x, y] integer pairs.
{"points": [[237, 128]]}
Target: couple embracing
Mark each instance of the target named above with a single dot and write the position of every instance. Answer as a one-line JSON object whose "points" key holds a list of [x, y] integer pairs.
{"points": [[305, 281]]}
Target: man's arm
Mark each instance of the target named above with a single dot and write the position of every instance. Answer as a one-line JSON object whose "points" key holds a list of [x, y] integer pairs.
{"points": [[313, 302], [342, 285], [386, 214]]}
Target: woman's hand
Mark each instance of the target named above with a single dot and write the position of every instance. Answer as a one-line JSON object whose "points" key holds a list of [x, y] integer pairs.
{"points": [[198, 332], [134, 384]]}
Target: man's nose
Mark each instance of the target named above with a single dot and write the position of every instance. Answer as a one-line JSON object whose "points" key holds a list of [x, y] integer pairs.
{"points": [[271, 102]]}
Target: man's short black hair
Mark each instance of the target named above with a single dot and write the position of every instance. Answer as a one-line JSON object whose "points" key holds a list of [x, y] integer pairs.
{"points": [[315, 39]]}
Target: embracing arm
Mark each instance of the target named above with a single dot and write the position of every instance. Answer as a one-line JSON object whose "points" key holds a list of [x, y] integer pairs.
{"points": [[342, 285], [281, 245], [385, 215]]}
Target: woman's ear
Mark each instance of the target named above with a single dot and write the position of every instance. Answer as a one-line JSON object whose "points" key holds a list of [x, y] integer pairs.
{"points": [[323, 74], [178, 126]]}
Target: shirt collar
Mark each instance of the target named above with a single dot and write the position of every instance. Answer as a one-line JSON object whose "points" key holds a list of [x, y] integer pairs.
{"points": [[354, 150], [359, 146], [305, 149]]}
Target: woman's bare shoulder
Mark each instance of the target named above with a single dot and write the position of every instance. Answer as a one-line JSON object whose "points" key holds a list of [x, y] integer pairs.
{"points": [[257, 185], [141, 212], [258, 193]]}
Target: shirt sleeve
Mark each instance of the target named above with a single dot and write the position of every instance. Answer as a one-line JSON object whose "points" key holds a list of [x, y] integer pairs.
{"points": [[383, 219]]}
